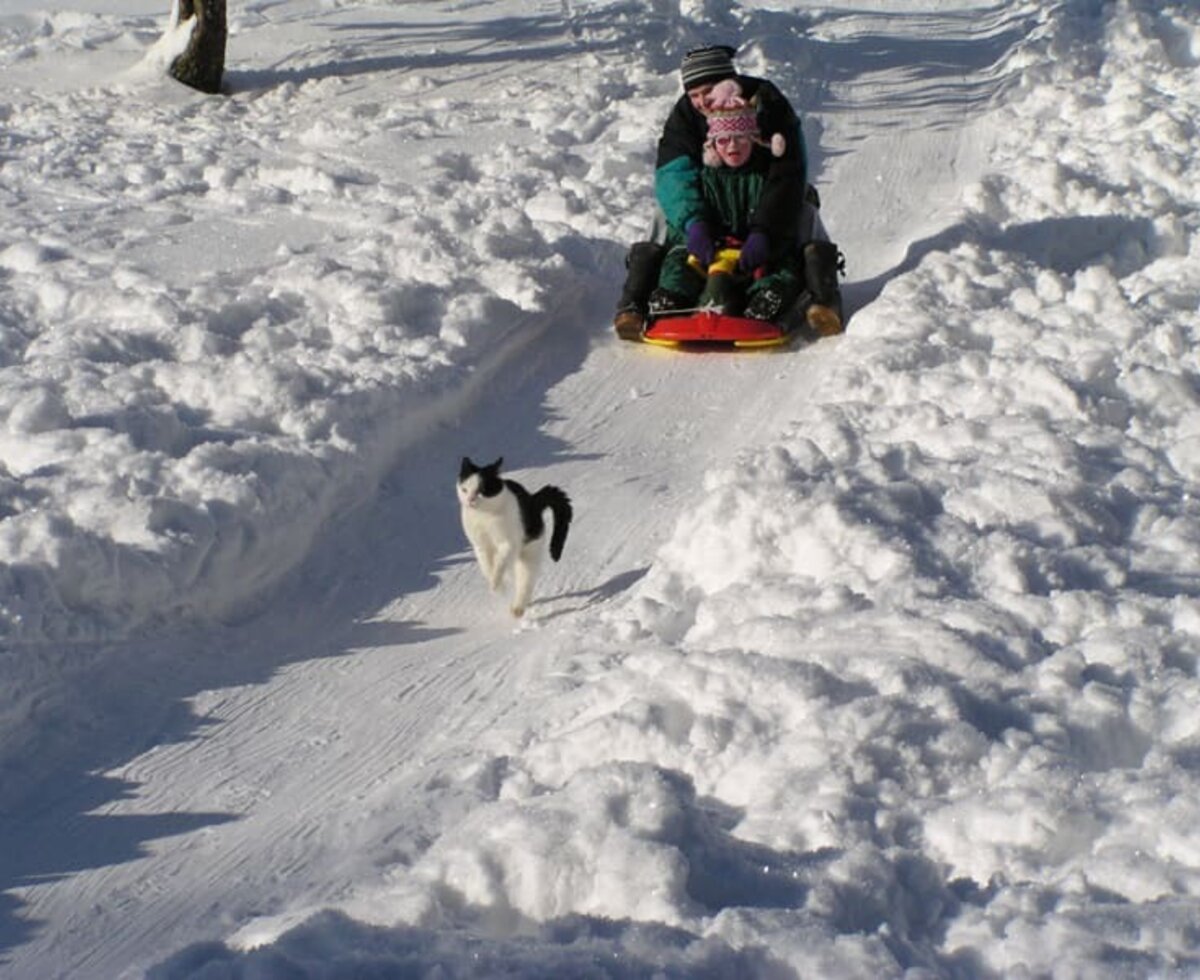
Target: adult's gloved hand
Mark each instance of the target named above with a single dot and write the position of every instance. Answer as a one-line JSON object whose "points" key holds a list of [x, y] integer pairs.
{"points": [[756, 249], [700, 243]]}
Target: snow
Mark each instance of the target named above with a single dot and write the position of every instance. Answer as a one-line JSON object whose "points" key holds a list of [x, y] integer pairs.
{"points": [[873, 657]]}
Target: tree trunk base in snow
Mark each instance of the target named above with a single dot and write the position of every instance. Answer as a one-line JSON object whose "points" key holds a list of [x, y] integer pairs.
{"points": [[203, 62]]}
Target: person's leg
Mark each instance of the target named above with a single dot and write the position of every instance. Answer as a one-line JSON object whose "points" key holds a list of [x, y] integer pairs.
{"points": [[811, 228], [771, 296], [822, 264], [725, 288], [679, 285], [643, 263]]}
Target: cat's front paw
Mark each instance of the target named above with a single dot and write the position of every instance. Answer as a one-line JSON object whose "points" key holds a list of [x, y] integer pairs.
{"points": [[517, 611]]}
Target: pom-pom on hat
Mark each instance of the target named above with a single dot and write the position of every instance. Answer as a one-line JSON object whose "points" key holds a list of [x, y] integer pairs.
{"points": [[711, 63]]}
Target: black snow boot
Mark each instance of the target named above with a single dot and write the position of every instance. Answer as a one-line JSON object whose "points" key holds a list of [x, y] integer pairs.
{"points": [[642, 263], [822, 264]]}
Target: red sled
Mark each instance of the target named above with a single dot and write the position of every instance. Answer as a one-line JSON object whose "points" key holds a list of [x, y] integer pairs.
{"points": [[712, 328]]}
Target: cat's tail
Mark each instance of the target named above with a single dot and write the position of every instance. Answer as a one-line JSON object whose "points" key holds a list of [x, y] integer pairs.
{"points": [[559, 505]]}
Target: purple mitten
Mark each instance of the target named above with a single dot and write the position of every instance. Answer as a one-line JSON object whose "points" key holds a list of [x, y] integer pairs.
{"points": [[756, 249], [700, 243]]}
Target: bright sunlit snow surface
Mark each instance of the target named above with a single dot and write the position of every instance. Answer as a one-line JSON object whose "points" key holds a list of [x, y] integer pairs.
{"points": [[870, 658]]}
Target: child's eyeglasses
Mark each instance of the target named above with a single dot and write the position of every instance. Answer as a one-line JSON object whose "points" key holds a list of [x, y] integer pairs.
{"points": [[732, 140]]}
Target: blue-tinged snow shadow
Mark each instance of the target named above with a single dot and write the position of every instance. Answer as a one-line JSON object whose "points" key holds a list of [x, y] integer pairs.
{"points": [[1064, 245], [726, 872], [581, 599], [64, 840], [960, 71], [488, 47], [91, 840], [334, 945]]}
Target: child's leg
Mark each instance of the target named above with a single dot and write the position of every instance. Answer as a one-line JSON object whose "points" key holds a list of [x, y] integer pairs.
{"points": [[771, 296], [678, 280]]}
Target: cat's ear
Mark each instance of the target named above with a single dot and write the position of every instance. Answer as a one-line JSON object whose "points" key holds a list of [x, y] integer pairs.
{"points": [[466, 468], [496, 465]]}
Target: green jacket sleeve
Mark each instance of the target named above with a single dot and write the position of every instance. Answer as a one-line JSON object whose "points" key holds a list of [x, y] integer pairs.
{"points": [[677, 167]]}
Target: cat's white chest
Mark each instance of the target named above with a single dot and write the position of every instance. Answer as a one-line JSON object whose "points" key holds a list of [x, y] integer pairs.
{"points": [[491, 522], [478, 523]]}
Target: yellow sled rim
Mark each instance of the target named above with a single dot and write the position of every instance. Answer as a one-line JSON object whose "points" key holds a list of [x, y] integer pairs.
{"points": [[761, 344], [653, 342]]}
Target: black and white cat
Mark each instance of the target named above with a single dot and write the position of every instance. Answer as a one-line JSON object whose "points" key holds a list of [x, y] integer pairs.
{"points": [[505, 524]]}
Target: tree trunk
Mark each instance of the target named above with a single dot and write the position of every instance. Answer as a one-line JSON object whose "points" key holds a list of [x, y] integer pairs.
{"points": [[203, 62]]}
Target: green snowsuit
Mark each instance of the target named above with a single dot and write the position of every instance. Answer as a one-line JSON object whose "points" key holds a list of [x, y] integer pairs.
{"points": [[731, 199]]}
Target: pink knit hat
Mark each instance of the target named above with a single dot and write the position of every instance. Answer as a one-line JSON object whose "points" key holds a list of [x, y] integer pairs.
{"points": [[739, 120], [734, 118], [729, 114]]}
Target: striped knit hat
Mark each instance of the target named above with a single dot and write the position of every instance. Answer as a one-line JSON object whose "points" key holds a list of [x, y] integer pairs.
{"points": [[711, 63]]}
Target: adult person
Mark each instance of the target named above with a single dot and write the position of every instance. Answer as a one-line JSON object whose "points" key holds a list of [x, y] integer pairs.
{"points": [[677, 187]]}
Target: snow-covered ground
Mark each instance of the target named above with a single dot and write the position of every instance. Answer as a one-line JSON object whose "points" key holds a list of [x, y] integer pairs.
{"points": [[875, 657]]}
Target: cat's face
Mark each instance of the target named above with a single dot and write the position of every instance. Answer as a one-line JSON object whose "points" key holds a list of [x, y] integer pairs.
{"points": [[478, 482], [468, 490]]}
